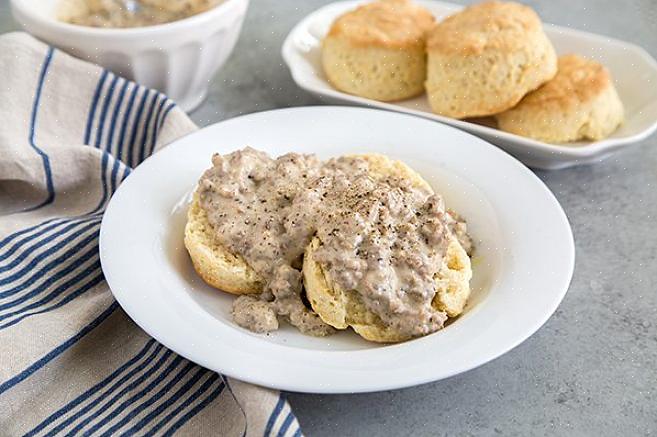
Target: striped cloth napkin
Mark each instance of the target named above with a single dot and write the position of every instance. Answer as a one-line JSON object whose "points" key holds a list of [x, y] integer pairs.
{"points": [[71, 361]]}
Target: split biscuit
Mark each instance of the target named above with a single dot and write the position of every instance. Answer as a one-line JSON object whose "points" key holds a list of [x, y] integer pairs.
{"points": [[345, 308], [217, 266]]}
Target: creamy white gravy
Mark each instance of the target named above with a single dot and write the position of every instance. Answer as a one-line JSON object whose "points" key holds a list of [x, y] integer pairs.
{"points": [[383, 238], [114, 13]]}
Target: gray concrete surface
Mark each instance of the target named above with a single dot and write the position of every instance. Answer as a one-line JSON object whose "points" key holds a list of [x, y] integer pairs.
{"points": [[592, 369]]}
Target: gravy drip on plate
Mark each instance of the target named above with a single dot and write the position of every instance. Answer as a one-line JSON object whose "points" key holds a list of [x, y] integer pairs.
{"points": [[383, 238]]}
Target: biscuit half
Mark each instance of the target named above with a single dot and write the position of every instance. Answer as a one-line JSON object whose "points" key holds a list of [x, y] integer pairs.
{"points": [[345, 308], [217, 266]]}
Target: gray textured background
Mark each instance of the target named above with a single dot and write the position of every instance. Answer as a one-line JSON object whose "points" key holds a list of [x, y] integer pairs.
{"points": [[592, 369]]}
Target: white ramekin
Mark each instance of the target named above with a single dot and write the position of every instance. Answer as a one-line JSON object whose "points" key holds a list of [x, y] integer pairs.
{"points": [[178, 58]]}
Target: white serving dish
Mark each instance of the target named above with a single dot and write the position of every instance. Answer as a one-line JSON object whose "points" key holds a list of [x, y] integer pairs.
{"points": [[633, 69], [178, 58], [522, 265]]}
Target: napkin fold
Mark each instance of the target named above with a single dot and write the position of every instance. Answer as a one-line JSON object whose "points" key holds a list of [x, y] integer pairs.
{"points": [[71, 361]]}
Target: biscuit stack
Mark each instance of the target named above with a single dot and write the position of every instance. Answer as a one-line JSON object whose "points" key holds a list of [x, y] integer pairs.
{"points": [[490, 59]]}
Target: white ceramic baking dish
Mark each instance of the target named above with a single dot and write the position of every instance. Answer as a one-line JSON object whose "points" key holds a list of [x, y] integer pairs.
{"points": [[633, 69]]}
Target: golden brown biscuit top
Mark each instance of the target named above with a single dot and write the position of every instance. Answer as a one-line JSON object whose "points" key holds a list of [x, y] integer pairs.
{"points": [[386, 23], [489, 25], [578, 80]]}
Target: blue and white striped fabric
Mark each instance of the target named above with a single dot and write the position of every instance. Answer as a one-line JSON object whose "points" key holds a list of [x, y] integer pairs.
{"points": [[71, 362]]}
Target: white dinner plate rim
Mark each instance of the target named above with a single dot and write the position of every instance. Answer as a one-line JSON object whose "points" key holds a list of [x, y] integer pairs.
{"points": [[305, 386]]}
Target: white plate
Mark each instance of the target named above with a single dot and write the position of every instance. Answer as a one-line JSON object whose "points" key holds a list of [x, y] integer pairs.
{"points": [[633, 69], [522, 267]]}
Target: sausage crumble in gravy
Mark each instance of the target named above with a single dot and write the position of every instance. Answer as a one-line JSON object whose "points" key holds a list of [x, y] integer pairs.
{"points": [[381, 236], [130, 13]]}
